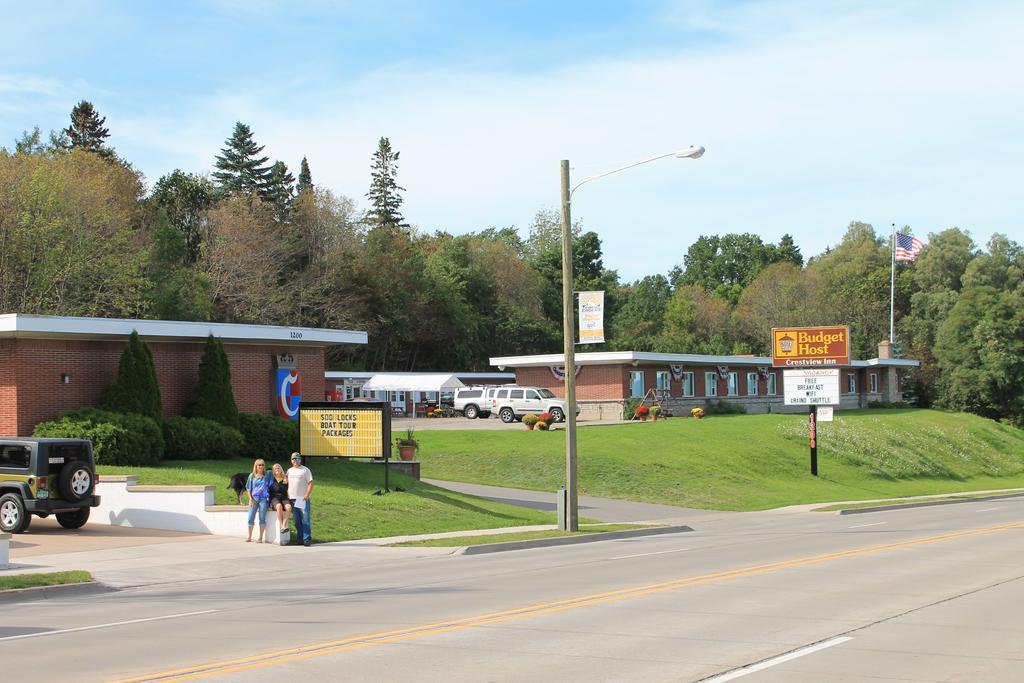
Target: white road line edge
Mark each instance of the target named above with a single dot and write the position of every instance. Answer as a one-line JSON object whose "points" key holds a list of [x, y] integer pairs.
{"points": [[857, 526], [115, 623], [777, 660], [987, 510], [660, 552]]}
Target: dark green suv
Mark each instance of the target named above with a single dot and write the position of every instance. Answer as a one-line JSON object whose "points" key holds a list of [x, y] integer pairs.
{"points": [[43, 477]]}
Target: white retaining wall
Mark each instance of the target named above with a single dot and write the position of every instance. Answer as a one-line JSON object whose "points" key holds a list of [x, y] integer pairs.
{"points": [[5, 550], [173, 508]]}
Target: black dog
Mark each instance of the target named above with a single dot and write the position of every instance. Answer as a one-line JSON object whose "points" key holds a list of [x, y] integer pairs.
{"points": [[237, 484]]}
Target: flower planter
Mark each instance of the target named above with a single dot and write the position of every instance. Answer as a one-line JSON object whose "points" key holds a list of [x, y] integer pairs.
{"points": [[407, 452]]}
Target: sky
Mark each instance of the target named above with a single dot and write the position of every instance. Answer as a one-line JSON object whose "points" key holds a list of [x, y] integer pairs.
{"points": [[814, 114]]}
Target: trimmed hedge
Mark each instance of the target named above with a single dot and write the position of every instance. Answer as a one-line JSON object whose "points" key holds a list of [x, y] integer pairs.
{"points": [[268, 437], [117, 438], [196, 438]]}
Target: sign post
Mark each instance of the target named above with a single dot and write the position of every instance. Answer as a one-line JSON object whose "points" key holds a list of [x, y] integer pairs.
{"points": [[811, 387], [814, 440]]}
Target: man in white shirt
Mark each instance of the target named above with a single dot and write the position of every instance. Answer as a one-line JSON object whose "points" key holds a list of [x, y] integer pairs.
{"points": [[300, 486]]}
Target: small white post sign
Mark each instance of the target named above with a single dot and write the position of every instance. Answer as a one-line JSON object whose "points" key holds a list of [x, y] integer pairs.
{"points": [[811, 387], [824, 413]]}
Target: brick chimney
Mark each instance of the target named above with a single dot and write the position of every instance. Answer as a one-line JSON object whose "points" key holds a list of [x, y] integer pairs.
{"points": [[884, 349]]}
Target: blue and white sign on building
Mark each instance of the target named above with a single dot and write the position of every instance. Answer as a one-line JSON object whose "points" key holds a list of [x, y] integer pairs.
{"points": [[289, 393]]}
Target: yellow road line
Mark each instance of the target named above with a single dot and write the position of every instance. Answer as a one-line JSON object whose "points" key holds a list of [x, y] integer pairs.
{"points": [[384, 637]]}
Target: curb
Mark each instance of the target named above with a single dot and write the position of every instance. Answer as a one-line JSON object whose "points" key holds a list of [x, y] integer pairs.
{"points": [[48, 592], [925, 504], [568, 540]]}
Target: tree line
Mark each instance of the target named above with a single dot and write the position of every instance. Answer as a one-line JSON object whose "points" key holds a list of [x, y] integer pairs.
{"points": [[80, 234]]}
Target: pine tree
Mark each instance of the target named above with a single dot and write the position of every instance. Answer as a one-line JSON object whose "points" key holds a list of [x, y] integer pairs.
{"points": [[135, 389], [241, 169], [305, 178], [86, 131], [384, 191], [279, 190], [214, 399]]}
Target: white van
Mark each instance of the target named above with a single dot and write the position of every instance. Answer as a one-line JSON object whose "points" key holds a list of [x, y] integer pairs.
{"points": [[510, 402]]}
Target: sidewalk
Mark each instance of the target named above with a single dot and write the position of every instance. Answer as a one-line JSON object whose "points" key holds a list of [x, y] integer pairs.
{"points": [[126, 558]]}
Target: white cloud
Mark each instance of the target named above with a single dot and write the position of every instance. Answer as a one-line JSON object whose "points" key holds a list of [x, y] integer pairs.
{"points": [[811, 119]]}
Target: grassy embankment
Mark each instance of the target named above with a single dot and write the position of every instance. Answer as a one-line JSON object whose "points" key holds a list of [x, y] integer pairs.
{"points": [[343, 505], [745, 462]]}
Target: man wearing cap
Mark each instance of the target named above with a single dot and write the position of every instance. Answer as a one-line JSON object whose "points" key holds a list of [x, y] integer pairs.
{"points": [[300, 486]]}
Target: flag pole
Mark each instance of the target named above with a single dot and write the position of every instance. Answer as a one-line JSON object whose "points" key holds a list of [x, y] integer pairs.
{"points": [[892, 289]]}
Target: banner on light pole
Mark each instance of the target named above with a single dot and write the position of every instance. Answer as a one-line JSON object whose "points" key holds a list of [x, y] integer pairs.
{"points": [[591, 308]]}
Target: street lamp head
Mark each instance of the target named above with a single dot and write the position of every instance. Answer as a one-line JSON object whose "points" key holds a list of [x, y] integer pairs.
{"points": [[695, 152]]}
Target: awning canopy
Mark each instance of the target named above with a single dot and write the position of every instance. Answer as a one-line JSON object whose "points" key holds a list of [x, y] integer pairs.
{"points": [[412, 382]]}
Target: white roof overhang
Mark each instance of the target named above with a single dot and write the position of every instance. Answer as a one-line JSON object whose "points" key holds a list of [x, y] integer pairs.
{"points": [[19, 326]]}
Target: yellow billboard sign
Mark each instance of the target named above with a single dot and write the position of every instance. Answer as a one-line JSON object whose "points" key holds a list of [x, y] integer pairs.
{"points": [[810, 346], [346, 430]]}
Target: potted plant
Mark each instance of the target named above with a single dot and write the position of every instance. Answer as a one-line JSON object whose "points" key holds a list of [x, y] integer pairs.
{"points": [[655, 412], [642, 411], [542, 425], [407, 445], [697, 413], [530, 420]]}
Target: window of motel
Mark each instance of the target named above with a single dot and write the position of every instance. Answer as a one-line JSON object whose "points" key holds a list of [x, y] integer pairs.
{"points": [[636, 383], [710, 384], [687, 384]]}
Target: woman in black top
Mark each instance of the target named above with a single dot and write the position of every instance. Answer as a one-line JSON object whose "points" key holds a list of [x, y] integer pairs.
{"points": [[279, 497]]}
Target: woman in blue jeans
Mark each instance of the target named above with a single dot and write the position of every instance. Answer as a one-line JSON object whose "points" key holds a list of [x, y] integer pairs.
{"points": [[257, 488]]}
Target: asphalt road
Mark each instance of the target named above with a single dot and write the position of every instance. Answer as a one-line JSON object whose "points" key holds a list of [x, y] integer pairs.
{"points": [[927, 594]]}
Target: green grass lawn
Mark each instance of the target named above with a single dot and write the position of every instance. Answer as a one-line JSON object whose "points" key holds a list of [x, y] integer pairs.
{"points": [[343, 505], [459, 541], [48, 579], [745, 462]]}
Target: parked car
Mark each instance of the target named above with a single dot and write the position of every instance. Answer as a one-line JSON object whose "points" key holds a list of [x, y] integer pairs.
{"points": [[511, 402], [470, 402], [43, 477]]}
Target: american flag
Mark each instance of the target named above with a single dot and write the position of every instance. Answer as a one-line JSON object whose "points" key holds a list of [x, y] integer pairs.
{"points": [[908, 247]]}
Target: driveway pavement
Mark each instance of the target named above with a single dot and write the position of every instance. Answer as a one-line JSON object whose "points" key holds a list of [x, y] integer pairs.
{"points": [[47, 537]]}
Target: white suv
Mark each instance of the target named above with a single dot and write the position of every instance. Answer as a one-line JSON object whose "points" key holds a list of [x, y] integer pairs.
{"points": [[511, 402], [470, 402]]}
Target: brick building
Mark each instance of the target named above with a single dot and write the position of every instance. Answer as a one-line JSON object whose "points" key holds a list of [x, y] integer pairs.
{"points": [[50, 364], [607, 381]]}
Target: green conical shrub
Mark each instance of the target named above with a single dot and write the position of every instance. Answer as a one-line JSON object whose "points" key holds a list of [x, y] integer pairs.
{"points": [[214, 399], [135, 389]]}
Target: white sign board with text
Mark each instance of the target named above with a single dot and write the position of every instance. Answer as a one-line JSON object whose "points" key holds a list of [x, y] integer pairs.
{"points": [[825, 413], [811, 387]]}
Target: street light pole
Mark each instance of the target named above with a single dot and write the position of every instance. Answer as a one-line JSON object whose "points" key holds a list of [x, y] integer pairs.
{"points": [[571, 519]]}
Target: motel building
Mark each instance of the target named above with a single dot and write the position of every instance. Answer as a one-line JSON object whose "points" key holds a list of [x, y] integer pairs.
{"points": [[607, 381], [52, 364]]}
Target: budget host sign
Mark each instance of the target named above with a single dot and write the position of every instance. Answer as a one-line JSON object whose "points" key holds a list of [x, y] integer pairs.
{"points": [[794, 347]]}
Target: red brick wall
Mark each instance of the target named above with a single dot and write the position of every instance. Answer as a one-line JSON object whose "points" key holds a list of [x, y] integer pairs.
{"points": [[8, 390], [594, 382], [31, 390]]}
